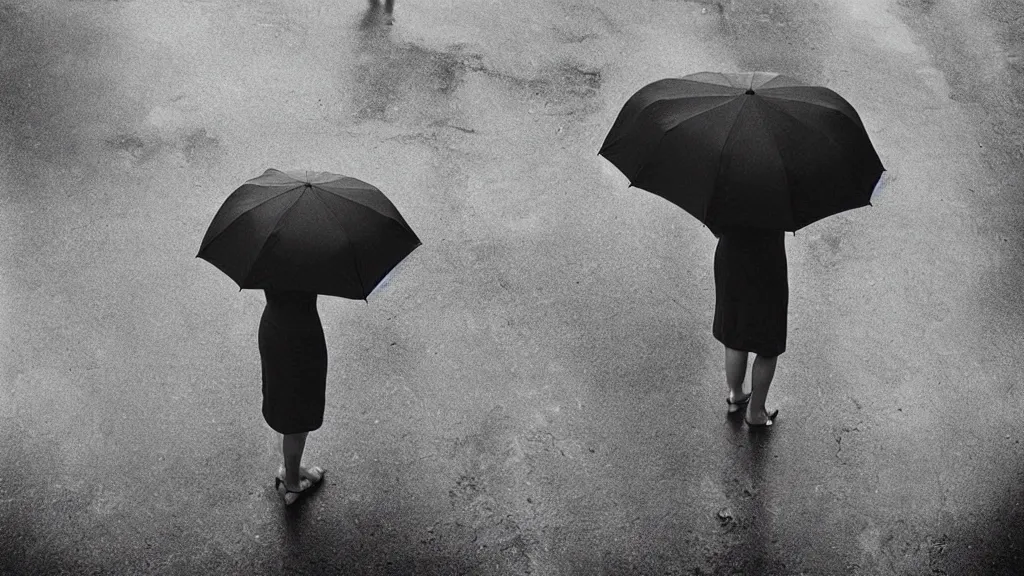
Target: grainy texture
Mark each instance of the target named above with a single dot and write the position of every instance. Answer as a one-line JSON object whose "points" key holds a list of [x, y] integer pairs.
{"points": [[536, 389]]}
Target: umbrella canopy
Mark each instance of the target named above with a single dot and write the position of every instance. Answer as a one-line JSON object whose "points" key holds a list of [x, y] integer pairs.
{"points": [[752, 150], [315, 232]]}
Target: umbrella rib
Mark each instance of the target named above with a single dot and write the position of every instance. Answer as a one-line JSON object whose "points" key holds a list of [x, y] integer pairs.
{"points": [[272, 230], [730, 97], [689, 96], [371, 208], [349, 181], [355, 261], [665, 133], [782, 163], [809, 126], [714, 185], [621, 137], [835, 144], [802, 101], [255, 206], [728, 84], [701, 83]]}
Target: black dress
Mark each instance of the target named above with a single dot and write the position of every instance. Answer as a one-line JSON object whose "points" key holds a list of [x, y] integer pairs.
{"points": [[293, 353], [751, 291]]}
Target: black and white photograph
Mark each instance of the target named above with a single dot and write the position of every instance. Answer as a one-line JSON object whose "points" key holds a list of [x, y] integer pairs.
{"points": [[535, 287]]}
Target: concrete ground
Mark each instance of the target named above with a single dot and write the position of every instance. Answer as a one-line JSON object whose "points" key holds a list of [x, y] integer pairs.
{"points": [[536, 390]]}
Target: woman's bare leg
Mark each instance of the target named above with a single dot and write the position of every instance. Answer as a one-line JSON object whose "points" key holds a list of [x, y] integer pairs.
{"points": [[760, 381], [735, 372], [292, 446], [293, 475]]}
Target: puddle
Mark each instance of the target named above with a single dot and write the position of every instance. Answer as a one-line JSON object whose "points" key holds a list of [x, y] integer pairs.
{"points": [[583, 23], [194, 146], [563, 88], [199, 146], [396, 80], [131, 144], [391, 75]]}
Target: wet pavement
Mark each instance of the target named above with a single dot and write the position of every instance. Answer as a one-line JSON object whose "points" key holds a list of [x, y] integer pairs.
{"points": [[536, 390]]}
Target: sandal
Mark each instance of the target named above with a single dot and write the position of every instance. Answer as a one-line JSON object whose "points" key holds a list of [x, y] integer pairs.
{"points": [[767, 423], [735, 405], [314, 474], [307, 484]]}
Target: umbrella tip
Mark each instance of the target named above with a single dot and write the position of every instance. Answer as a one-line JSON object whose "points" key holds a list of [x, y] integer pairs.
{"points": [[749, 92]]}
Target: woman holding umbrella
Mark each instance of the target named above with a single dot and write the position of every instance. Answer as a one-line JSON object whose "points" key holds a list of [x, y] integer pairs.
{"points": [[751, 155], [296, 236], [751, 298], [293, 355]]}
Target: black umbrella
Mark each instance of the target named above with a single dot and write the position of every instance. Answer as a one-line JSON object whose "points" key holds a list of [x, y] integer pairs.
{"points": [[315, 232], [753, 150]]}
